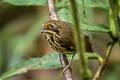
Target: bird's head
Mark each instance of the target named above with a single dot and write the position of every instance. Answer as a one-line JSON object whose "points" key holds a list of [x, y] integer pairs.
{"points": [[50, 27]]}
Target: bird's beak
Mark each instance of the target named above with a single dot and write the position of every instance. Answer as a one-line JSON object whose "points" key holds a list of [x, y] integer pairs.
{"points": [[42, 30]]}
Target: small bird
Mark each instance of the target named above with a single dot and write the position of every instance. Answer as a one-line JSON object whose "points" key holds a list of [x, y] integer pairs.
{"points": [[60, 37]]}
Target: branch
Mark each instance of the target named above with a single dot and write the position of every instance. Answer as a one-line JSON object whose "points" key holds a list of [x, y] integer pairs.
{"points": [[102, 66], [114, 28], [52, 11], [63, 58]]}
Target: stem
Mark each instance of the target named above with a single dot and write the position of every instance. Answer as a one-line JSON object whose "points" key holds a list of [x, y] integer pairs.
{"points": [[79, 39], [112, 24], [114, 19], [119, 7], [119, 17], [114, 27], [63, 58], [102, 67]]}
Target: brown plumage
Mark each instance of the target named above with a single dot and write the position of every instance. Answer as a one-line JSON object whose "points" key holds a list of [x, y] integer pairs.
{"points": [[60, 36]]}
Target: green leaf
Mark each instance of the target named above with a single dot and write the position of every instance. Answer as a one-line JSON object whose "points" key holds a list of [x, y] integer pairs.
{"points": [[89, 27], [49, 61], [95, 3], [26, 2], [65, 15], [61, 3]]}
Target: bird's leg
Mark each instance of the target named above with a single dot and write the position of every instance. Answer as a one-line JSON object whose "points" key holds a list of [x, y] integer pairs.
{"points": [[69, 63]]}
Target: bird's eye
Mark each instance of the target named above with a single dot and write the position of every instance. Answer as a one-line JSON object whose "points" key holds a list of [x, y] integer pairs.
{"points": [[52, 26]]}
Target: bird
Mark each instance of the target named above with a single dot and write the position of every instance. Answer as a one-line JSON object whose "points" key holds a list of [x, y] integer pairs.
{"points": [[59, 35]]}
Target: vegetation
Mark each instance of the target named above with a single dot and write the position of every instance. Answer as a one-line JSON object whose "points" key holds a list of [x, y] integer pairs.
{"points": [[21, 41]]}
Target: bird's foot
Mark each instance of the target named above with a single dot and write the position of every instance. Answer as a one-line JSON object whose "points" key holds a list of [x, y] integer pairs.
{"points": [[66, 68]]}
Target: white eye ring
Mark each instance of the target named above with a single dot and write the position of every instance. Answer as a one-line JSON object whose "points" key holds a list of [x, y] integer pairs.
{"points": [[52, 25]]}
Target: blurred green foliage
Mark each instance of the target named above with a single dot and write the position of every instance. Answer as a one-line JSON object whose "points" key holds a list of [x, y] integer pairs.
{"points": [[18, 35], [50, 61]]}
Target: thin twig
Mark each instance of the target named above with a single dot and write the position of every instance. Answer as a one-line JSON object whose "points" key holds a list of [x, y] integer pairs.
{"points": [[102, 66], [79, 37], [63, 58]]}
